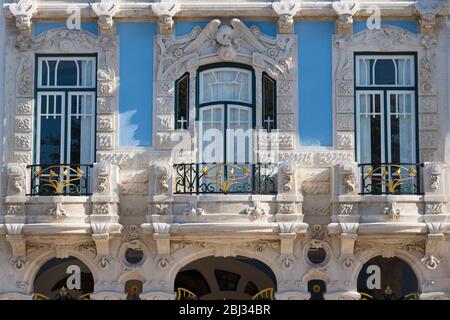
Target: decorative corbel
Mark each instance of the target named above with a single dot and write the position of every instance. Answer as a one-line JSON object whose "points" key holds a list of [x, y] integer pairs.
{"points": [[165, 12], [349, 227], [105, 11], [286, 10], [347, 179], [105, 182], [432, 179], [345, 9], [163, 173], [17, 241], [427, 10], [287, 237], [100, 235], [23, 12], [286, 181], [435, 238], [162, 237], [16, 179]]}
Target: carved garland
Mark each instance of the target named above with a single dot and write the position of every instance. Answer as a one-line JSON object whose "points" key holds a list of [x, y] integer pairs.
{"points": [[387, 39], [60, 41], [220, 42]]}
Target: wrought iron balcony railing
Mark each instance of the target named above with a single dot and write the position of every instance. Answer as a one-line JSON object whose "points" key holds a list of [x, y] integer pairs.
{"points": [[60, 179], [390, 178], [247, 178]]}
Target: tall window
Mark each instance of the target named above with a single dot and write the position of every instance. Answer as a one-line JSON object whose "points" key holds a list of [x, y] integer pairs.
{"points": [[182, 102], [65, 114], [386, 119], [269, 119]]}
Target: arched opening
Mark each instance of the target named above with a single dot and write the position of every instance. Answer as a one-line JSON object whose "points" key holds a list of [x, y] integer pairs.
{"points": [[63, 279], [217, 278], [387, 279]]}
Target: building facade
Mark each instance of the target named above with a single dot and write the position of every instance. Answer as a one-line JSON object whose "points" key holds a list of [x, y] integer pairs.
{"points": [[238, 150]]}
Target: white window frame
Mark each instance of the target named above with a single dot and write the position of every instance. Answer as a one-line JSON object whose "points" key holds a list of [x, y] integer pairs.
{"points": [[385, 57], [213, 70], [382, 119], [42, 60], [69, 118], [221, 107], [413, 121], [38, 123]]}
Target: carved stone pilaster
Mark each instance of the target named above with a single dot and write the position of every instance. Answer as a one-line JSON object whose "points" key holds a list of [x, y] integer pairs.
{"points": [[286, 10], [345, 9], [427, 10], [23, 12], [165, 12], [105, 11]]}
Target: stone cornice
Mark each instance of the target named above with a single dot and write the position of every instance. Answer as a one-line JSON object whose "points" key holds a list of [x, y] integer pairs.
{"points": [[136, 10]]}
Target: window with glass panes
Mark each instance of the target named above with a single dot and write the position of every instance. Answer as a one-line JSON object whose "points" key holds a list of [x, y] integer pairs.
{"points": [[65, 110], [386, 108], [385, 97]]}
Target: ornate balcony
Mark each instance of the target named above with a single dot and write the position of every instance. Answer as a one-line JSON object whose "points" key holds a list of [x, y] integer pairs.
{"points": [[390, 178], [61, 180], [226, 178]]}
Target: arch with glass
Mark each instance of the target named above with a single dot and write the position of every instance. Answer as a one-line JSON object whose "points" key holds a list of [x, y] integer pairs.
{"points": [[225, 114]]}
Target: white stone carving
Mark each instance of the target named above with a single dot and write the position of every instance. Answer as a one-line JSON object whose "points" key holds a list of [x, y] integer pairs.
{"points": [[101, 208], [165, 11], [391, 210], [106, 10], [105, 123], [346, 208], [286, 11], [228, 42], [23, 12], [255, 211], [428, 9], [435, 208], [286, 208], [345, 140], [57, 211], [345, 9]]}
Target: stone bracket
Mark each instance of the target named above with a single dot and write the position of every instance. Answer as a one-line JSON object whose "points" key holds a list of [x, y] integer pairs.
{"points": [[286, 10], [105, 11], [165, 12], [345, 9], [23, 12], [102, 244], [427, 11], [16, 239]]}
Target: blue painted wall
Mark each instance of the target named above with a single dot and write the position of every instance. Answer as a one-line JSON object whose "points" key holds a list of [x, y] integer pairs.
{"points": [[44, 26], [136, 83], [315, 82], [405, 24]]}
